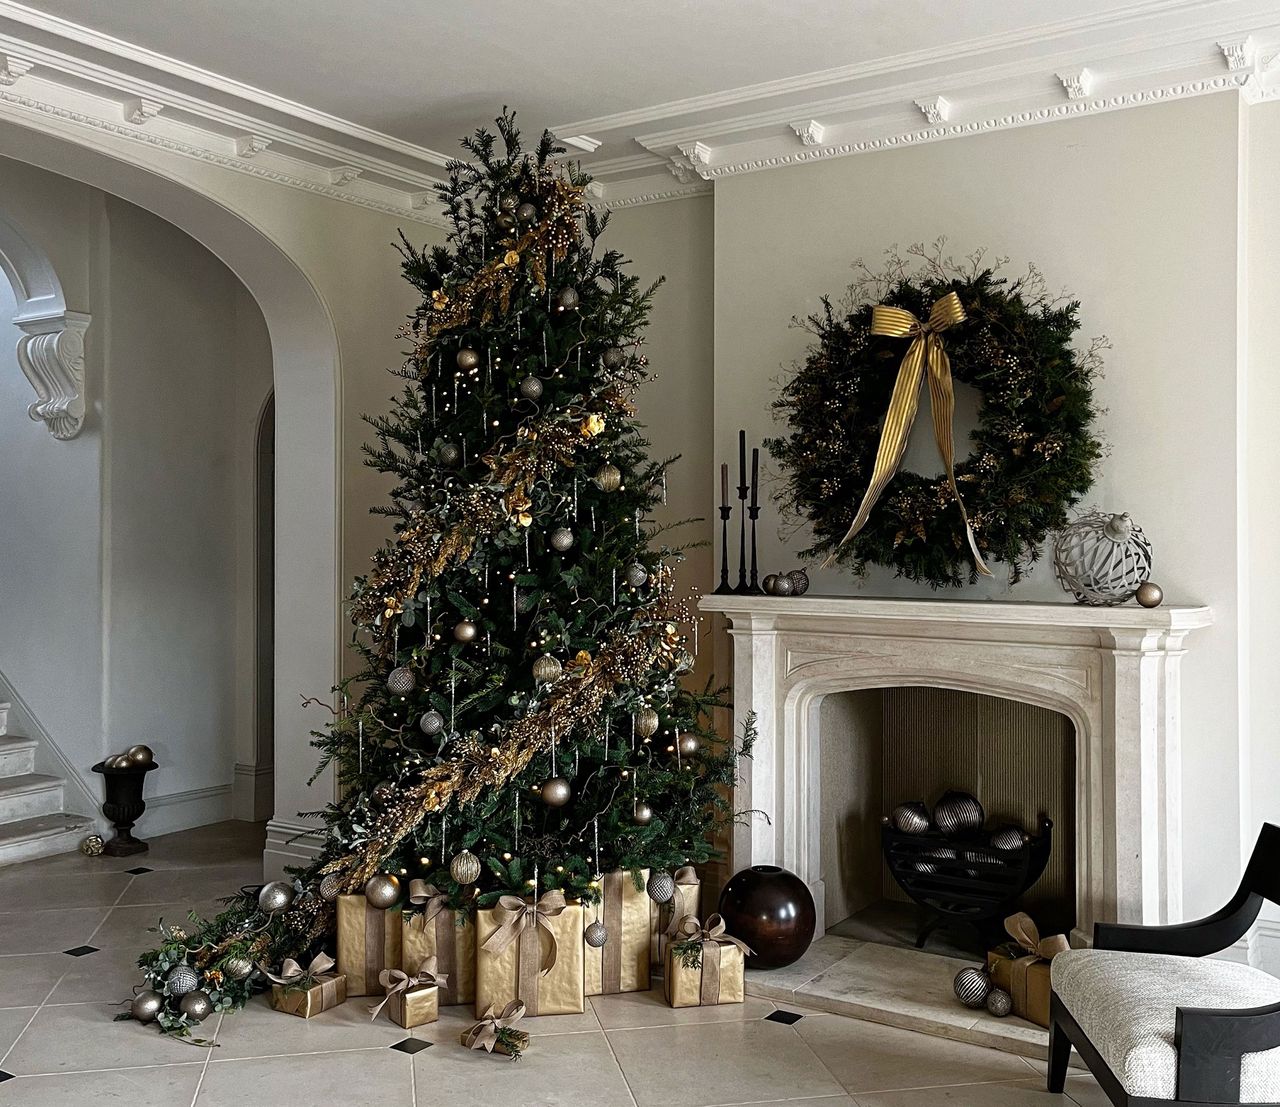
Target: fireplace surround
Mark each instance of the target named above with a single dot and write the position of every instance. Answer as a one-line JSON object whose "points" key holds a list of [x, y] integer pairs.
{"points": [[1113, 672]]}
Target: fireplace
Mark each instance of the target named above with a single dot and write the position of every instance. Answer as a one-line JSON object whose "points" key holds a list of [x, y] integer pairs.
{"points": [[1101, 683]]}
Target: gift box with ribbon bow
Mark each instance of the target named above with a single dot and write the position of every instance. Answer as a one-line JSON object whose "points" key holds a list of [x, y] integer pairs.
{"points": [[411, 1000], [667, 916], [532, 952], [368, 942], [433, 929], [1021, 967], [704, 964], [627, 912], [306, 992], [496, 1033]]}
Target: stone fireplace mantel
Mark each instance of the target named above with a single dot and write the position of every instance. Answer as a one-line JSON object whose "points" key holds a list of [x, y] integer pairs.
{"points": [[1114, 672]]}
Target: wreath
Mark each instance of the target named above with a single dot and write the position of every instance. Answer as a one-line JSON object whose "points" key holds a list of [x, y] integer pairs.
{"points": [[1032, 454]]}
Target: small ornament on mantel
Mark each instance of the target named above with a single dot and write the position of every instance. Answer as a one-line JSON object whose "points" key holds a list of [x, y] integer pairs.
{"points": [[1102, 559]]}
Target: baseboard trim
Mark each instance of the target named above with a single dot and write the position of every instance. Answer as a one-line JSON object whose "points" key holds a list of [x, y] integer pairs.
{"points": [[184, 810], [290, 845], [253, 792]]}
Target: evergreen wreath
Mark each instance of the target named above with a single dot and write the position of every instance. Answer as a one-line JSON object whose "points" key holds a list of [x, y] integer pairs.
{"points": [[1033, 451]]}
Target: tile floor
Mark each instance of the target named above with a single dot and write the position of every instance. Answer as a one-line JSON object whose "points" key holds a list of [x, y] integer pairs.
{"points": [[59, 1046]]}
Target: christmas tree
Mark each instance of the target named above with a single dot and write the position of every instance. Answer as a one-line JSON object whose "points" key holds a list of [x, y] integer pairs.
{"points": [[523, 711]]}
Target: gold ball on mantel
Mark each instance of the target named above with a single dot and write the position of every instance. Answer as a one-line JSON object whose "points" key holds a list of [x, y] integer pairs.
{"points": [[1150, 594]]}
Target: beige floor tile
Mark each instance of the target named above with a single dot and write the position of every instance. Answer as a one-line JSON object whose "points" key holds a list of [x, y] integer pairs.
{"points": [[48, 931], [819, 957], [83, 1036], [719, 1062], [193, 885], [18, 886], [1021, 1094], [818, 1101], [1085, 1091], [258, 1031], [103, 977], [380, 1076], [27, 980], [130, 927], [13, 1021], [632, 1010], [166, 1086], [866, 1057]]}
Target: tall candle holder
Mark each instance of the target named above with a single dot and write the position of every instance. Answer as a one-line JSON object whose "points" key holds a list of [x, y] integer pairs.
{"points": [[725, 511], [743, 588], [753, 512]]}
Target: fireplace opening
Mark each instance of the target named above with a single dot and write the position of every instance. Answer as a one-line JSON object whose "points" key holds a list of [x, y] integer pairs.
{"points": [[882, 747]]}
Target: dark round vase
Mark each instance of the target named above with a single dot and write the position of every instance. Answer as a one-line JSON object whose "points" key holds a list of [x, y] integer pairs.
{"points": [[771, 910]]}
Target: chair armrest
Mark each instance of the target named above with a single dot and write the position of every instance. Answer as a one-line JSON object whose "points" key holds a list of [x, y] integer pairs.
{"points": [[1211, 934], [1210, 1044]]}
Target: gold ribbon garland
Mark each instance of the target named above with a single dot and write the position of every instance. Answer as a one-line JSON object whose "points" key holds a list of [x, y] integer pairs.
{"points": [[925, 356], [516, 915]]}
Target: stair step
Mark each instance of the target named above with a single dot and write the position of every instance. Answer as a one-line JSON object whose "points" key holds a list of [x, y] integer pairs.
{"points": [[4, 718], [17, 755], [41, 836], [28, 795]]}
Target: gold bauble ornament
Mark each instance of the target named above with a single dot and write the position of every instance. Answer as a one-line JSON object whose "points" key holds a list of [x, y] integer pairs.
{"points": [[92, 845], [382, 890], [466, 631], [146, 1005], [139, 755], [196, 1005], [642, 815], [1150, 594], [547, 669], [687, 744], [237, 967], [647, 722], [608, 478], [556, 792], [275, 897], [465, 867], [468, 358]]}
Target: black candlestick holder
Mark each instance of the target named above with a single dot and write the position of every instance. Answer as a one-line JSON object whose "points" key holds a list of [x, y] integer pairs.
{"points": [[724, 589], [754, 587], [743, 588], [124, 806]]}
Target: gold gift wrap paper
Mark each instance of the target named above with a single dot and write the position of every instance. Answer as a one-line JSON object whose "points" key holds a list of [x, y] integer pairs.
{"points": [[515, 973], [622, 963], [415, 1006], [666, 917], [328, 991], [719, 980], [368, 942], [449, 937]]}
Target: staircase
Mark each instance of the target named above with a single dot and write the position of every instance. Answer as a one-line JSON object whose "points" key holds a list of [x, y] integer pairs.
{"points": [[32, 821]]}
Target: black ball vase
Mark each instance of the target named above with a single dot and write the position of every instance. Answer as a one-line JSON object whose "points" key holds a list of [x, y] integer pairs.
{"points": [[771, 910]]}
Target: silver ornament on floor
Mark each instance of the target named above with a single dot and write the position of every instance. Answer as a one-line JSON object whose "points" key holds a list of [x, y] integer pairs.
{"points": [[196, 1005], [401, 681], [972, 986], [276, 896], [91, 845], [561, 539], [146, 1005], [237, 967], [642, 814], [687, 744], [468, 358], [1149, 594], [139, 755], [660, 887], [911, 818], [1008, 837], [799, 582], [958, 814], [637, 574], [450, 455], [613, 357], [465, 867], [999, 1002], [331, 887], [465, 631], [596, 934], [1101, 559], [556, 792], [567, 299], [531, 388], [647, 722], [181, 980], [431, 724], [382, 890], [608, 478], [547, 669]]}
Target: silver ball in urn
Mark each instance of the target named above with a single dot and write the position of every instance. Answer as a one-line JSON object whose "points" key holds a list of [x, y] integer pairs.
{"points": [[146, 1005], [526, 212], [613, 357], [401, 681], [468, 358], [139, 756], [608, 478], [237, 967], [596, 934], [276, 896], [647, 722], [567, 299], [531, 388], [1102, 559], [661, 887], [92, 845], [642, 814], [1008, 837], [431, 723], [450, 455], [687, 744], [958, 814], [181, 980], [466, 631], [196, 1005], [561, 539], [382, 890], [972, 986], [911, 818], [637, 574], [547, 669], [465, 867], [556, 792], [330, 887], [1149, 594], [999, 1002], [799, 582]]}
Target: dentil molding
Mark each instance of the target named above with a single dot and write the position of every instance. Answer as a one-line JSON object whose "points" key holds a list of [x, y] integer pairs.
{"points": [[51, 354]]}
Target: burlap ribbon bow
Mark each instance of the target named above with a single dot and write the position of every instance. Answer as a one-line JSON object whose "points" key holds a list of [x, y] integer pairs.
{"points": [[925, 356], [293, 975], [420, 893], [516, 915], [1022, 930], [484, 1035], [713, 933], [396, 981], [681, 906]]}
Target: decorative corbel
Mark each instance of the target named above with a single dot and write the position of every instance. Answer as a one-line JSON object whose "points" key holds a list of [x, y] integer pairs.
{"points": [[1077, 85], [51, 354], [935, 110], [12, 68], [809, 131], [341, 175], [141, 110], [248, 146]]}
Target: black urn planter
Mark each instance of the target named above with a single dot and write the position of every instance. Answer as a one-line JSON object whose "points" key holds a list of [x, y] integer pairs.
{"points": [[772, 910], [124, 806]]}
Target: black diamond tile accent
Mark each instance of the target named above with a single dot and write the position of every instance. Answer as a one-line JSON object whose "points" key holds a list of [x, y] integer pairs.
{"points": [[784, 1017], [139, 870], [80, 951], [411, 1045], [5, 1076]]}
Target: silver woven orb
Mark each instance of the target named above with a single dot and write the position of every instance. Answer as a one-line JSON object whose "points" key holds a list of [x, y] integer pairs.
{"points": [[608, 478], [1150, 594], [382, 890], [556, 792], [92, 845], [468, 358], [799, 582], [647, 722], [958, 814], [999, 1002], [613, 357], [687, 744], [642, 814], [450, 455], [181, 980], [567, 299], [637, 574], [465, 867], [596, 934], [139, 755], [561, 539], [466, 631], [972, 986], [526, 213], [331, 887], [547, 669], [1008, 837], [782, 585], [276, 897], [1102, 559], [531, 388], [237, 967], [146, 1005], [934, 855], [431, 724], [401, 681], [661, 887], [911, 818], [196, 1005]]}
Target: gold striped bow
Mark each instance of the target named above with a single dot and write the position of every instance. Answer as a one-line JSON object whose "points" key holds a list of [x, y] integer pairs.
{"points": [[925, 355]]}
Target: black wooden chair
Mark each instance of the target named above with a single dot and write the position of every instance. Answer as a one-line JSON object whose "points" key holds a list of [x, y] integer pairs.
{"points": [[1157, 1025]]}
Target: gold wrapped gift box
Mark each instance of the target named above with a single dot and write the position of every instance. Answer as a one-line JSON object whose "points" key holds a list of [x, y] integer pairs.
{"points": [[622, 963], [719, 978], [1026, 978], [327, 991], [667, 916], [368, 942], [534, 955], [414, 1006], [449, 937]]}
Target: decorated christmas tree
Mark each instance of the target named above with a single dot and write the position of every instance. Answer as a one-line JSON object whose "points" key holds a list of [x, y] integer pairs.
{"points": [[523, 719]]}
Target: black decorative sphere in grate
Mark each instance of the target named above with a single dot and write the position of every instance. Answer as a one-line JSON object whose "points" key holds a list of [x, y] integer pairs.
{"points": [[930, 857], [958, 815], [1008, 837], [911, 818]]}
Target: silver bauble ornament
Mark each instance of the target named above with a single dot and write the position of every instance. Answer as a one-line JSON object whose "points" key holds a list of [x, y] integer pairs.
{"points": [[401, 681], [910, 818], [466, 631], [561, 539], [431, 724], [556, 792], [547, 669], [1149, 594], [799, 582], [661, 887], [1008, 837], [526, 212], [146, 1005], [531, 388], [596, 934], [139, 756], [506, 221], [331, 887], [1102, 559], [276, 896], [608, 478], [999, 1002], [465, 867], [237, 967], [769, 583], [567, 299], [613, 357], [637, 574], [92, 845], [382, 890], [642, 814], [181, 980], [196, 1005], [468, 358], [782, 585], [972, 986], [958, 814], [450, 455], [647, 722], [687, 744]]}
